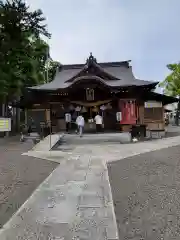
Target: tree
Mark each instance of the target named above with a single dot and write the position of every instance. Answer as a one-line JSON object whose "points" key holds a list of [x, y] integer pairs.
{"points": [[22, 51], [171, 85], [51, 69]]}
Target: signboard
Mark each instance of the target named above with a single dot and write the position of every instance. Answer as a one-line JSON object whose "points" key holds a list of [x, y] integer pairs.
{"points": [[5, 124], [90, 94], [152, 104]]}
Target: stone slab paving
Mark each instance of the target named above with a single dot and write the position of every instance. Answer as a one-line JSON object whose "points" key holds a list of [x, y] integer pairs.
{"points": [[75, 202], [70, 204], [19, 175]]}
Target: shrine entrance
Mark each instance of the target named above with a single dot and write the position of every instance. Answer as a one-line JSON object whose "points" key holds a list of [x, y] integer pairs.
{"points": [[90, 97]]}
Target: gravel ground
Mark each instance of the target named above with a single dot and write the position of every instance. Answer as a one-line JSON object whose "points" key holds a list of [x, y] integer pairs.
{"points": [[19, 176], [146, 194]]}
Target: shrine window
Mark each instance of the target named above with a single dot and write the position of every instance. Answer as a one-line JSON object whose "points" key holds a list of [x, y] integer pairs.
{"points": [[155, 114]]}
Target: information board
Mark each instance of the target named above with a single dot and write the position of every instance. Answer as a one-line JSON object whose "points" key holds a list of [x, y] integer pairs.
{"points": [[5, 124]]}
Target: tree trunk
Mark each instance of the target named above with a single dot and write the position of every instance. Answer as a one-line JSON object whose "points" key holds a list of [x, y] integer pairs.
{"points": [[177, 113], [18, 120], [3, 110]]}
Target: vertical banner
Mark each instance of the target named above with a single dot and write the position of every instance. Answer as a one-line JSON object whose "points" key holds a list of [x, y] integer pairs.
{"points": [[128, 110]]}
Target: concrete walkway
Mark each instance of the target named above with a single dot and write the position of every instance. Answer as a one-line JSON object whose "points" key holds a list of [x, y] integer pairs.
{"points": [[75, 202]]}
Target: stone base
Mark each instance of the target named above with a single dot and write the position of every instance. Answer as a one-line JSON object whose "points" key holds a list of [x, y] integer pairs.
{"points": [[125, 137], [155, 134]]}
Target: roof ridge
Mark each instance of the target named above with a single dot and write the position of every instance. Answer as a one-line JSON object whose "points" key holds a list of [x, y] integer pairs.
{"points": [[102, 64]]}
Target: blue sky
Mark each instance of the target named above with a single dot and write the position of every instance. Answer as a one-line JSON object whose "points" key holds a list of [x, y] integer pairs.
{"points": [[145, 31]]}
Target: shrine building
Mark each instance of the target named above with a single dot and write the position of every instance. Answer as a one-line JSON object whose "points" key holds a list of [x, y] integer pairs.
{"points": [[108, 88]]}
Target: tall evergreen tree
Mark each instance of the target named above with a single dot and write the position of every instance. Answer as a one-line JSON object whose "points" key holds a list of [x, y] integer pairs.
{"points": [[22, 51]]}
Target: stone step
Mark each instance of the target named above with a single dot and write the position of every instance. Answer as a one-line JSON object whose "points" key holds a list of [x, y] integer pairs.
{"points": [[48, 142]]}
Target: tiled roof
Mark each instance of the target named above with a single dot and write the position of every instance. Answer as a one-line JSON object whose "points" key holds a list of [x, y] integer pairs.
{"points": [[121, 73]]}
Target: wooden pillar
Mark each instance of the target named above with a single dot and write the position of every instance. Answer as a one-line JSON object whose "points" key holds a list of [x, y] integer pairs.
{"points": [[48, 115], [26, 116]]}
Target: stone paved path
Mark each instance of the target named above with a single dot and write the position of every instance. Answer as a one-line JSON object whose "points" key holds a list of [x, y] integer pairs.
{"points": [[75, 201]]}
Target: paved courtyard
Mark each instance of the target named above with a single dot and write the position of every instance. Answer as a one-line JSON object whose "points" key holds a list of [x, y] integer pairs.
{"points": [[75, 201], [19, 176], [146, 194]]}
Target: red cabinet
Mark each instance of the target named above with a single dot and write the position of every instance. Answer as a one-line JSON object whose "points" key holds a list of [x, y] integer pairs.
{"points": [[128, 111]]}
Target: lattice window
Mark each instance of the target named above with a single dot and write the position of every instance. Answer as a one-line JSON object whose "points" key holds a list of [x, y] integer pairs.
{"points": [[155, 114]]}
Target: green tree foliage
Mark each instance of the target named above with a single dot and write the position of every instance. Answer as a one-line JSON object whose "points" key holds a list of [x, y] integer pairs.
{"points": [[171, 85], [23, 53], [51, 69]]}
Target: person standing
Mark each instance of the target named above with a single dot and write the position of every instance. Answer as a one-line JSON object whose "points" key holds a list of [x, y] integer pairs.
{"points": [[68, 121], [80, 124], [98, 120]]}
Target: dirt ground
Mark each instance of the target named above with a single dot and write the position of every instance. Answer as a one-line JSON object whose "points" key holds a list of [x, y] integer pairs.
{"points": [[19, 176], [146, 195]]}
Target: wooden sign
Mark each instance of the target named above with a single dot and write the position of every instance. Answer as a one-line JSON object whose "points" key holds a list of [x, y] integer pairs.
{"points": [[90, 94]]}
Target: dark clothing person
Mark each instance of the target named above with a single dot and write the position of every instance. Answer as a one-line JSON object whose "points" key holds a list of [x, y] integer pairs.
{"points": [[68, 121], [29, 129], [98, 128], [67, 126]]}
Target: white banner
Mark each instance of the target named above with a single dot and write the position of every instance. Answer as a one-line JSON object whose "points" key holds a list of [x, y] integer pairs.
{"points": [[152, 104]]}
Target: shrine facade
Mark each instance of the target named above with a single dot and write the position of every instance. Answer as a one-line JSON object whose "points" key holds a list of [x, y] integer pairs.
{"points": [[109, 89]]}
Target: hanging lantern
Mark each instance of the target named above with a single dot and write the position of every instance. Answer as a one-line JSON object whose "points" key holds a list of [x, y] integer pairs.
{"points": [[78, 109], [103, 108], [95, 109], [83, 110], [108, 106], [71, 107]]}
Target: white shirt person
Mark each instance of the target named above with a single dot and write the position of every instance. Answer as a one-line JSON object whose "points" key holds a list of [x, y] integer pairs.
{"points": [[67, 117], [80, 123], [99, 121]]}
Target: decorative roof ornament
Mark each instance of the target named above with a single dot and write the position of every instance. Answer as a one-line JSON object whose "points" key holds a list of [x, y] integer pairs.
{"points": [[91, 59]]}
